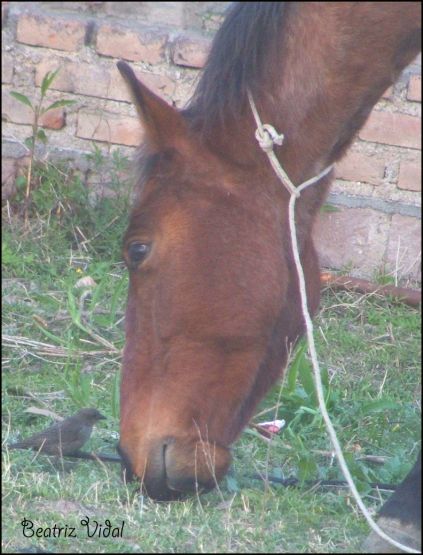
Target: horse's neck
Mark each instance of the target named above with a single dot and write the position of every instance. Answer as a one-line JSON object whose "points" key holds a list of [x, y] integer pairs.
{"points": [[333, 63], [337, 60]]}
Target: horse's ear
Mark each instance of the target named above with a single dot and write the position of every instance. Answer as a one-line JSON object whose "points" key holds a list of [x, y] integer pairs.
{"points": [[162, 123]]}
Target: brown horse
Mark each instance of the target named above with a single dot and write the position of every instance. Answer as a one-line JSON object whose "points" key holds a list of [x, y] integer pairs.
{"points": [[213, 307]]}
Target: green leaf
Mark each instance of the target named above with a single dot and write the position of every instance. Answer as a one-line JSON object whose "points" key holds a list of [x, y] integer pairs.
{"points": [[305, 374], [309, 410], [47, 81], [394, 468], [232, 484], [77, 384], [358, 472], [362, 486], [73, 311], [42, 136], [329, 208], [52, 336], [22, 98], [278, 473], [297, 398], [29, 142], [252, 432], [58, 104], [8, 256], [307, 467], [20, 182], [85, 386], [294, 367], [116, 395], [325, 377], [378, 406]]}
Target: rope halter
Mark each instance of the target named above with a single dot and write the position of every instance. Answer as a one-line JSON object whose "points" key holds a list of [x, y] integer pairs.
{"points": [[267, 136]]}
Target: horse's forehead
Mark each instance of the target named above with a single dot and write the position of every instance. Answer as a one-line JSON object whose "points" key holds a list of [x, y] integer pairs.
{"points": [[176, 224], [169, 210]]}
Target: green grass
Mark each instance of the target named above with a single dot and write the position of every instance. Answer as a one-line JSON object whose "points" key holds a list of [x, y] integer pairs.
{"points": [[61, 351]]}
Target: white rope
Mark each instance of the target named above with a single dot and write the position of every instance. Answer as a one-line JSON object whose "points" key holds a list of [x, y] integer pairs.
{"points": [[309, 325], [266, 136]]}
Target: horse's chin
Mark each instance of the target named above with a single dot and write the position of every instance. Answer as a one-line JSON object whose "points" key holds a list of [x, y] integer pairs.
{"points": [[172, 468]]}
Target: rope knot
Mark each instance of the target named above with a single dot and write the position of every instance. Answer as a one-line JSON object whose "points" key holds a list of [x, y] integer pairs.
{"points": [[267, 136]]}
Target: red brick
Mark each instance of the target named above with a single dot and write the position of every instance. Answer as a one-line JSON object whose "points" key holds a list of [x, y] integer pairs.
{"points": [[410, 176], [101, 82], [160, 84], [415, 88], [109, 128], [53, 119], [153, 13], [352, 236], [145, 45], [51, 32], [388, 93], [16, 112], [77, 78], [403, 253], [6, 68], [392, 129], [356, 166], [190, 51]]}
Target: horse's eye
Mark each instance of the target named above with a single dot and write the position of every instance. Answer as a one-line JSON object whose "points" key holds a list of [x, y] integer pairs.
{"points": [[137, 252]]}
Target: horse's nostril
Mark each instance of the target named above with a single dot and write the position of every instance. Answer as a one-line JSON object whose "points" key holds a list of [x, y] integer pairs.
{"points": [[154, 479], [172, 468], [194, 466], [164, 461]]}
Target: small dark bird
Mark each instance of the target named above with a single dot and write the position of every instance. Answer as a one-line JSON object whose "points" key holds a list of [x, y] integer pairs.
{"points": [[65, 437]]}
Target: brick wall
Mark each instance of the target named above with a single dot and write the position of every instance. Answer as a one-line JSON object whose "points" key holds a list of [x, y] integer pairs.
{"points": [[376, 226]]}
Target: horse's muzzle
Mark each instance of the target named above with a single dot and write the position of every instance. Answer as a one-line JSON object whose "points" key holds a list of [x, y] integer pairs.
{"points": [[174, 468]]}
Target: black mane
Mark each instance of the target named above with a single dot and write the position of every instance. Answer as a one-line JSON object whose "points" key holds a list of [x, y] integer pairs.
{"points": [[236, 61]]}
